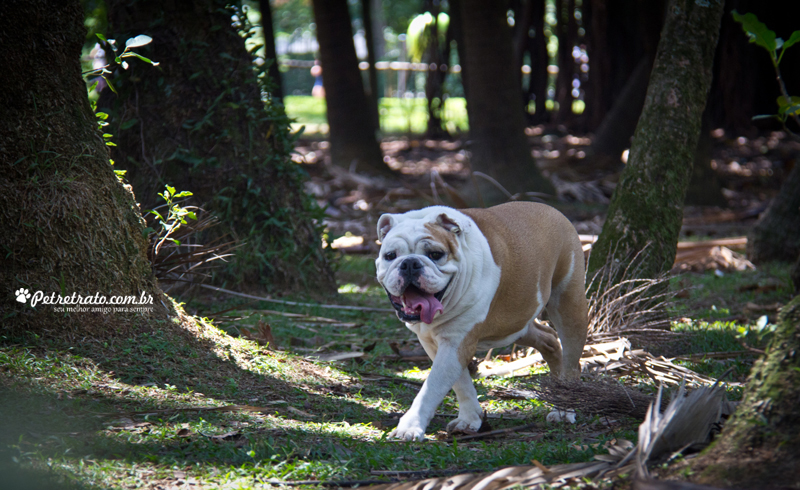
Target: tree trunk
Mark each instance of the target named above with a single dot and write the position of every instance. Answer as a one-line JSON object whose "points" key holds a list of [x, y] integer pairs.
{"points": [[776, 235], [537, 88], [457, 28], [270, 54], [197, 122], [614, 134], [705, 188], [620, 34], [434, 80], [496, 120], [68, 225], [353, 141], [567, 38], [646, 209], [760, 445], [372, 72]]}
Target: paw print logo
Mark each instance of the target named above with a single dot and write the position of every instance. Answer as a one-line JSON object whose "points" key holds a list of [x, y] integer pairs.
{"points": [[22, 295]]}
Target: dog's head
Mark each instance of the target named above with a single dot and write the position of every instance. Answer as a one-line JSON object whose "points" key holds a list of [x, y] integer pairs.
{"points": [[420, 254]]}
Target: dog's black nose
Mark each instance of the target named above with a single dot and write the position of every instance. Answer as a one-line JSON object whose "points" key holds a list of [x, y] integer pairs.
{"points": [[411, 266]]}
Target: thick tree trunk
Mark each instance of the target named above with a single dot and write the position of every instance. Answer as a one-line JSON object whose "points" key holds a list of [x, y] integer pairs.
{"points": [[197, 122], [270, 54], [434, 81], [776, 236], [647, 207], [67, 224], [499, 146], [353, 141], [760, 445]]}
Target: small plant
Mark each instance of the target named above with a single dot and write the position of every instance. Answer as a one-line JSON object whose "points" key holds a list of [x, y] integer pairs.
{"points": [[176, 216], [757, 31]]}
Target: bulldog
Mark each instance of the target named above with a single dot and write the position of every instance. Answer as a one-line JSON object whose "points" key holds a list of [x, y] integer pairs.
{"points": [[472, 279]]}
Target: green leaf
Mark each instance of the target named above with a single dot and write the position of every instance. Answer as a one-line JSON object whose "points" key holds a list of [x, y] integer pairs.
{"points": [[793, 39], [128, 124], [763, 116], [137, 55], [137, 41], [110, 143], [757, 31], [107, 135], [176, 242], [110, 85], [793, 110], [101, 37], [101, 115], [191, 215], [183, 194]]}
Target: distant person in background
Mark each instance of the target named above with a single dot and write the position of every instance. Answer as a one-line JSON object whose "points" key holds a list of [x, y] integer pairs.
{"points": [[319, 89]]}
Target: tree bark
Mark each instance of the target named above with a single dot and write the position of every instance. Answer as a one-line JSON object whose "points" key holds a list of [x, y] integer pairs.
{"points": [[567, 38], [497, 124], [776, 235], [68, 225], [353, 141], [198, 123], [372, 72], [646, 209], [620, 34], [760, 445], [270, 54]]}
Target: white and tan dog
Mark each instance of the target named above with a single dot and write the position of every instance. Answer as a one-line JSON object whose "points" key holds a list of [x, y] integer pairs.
{"points": [[476, 279]]}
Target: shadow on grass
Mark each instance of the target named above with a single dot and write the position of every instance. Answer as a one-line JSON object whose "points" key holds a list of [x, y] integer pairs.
{"points": [[50, 412]]}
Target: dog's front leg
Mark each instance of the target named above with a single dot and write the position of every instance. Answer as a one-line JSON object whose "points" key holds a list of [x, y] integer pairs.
{"points": [[469, 408], [446, 370]]}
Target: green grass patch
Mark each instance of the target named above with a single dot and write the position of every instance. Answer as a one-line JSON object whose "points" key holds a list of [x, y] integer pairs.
{"points": [[396, 115], [149, 409]]}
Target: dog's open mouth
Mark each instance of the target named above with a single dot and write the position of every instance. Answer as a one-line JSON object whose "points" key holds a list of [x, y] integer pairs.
{"points": [[416, 305]]}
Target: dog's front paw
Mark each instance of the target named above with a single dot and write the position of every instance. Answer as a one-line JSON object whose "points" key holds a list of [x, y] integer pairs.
{"points": [[557, 416], [409, 429], [468, 423]]}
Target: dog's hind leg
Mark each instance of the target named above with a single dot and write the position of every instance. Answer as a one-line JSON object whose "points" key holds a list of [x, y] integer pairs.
{"points": [[567, 310]]}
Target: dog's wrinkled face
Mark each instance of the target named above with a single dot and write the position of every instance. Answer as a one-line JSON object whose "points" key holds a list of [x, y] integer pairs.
{"points": [[418, 258]]}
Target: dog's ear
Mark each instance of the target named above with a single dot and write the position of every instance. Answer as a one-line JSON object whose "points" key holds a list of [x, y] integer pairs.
{"points": [[448, 224], [385, 223]]}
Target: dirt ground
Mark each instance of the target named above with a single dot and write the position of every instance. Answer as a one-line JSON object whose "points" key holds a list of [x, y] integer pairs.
{"points": [[750, 170]]}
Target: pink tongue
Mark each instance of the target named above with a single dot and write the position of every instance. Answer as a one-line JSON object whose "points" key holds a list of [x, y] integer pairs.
{"points": [[425, 304]]}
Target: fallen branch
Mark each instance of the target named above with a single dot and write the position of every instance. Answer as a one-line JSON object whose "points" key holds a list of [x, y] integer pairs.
{"points": [[295, 303]]}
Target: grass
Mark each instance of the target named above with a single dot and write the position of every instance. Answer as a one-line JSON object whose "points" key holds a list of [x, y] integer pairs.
{"points": [[397, 115], [145, 411]]}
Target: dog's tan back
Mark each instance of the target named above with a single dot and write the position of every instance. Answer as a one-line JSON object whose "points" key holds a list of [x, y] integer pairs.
{"points": [[548, 270]]}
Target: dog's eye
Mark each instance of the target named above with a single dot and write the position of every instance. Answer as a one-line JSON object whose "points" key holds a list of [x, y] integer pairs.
{"points": [[435, 255], [390, 256]]}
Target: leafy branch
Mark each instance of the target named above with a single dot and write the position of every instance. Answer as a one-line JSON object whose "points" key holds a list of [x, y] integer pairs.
{"points": [[119, 58], [757, 31]]}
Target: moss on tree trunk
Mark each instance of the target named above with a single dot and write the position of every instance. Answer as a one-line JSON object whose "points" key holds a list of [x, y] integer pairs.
{"points": [[197, 122], [647, 206], [760, 446], [67, 225]]}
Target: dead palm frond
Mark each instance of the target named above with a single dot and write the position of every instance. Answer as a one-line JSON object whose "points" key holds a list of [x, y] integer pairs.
{"points": [[621, 302], [182, 258]]}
